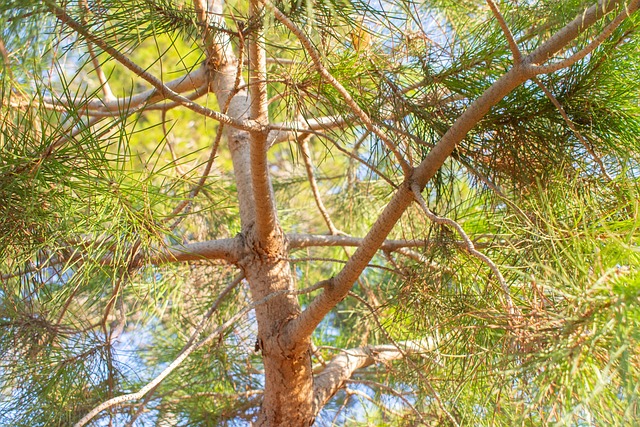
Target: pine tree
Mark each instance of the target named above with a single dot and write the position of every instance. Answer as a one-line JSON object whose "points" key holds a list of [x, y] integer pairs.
{"points": [[340, 213]]}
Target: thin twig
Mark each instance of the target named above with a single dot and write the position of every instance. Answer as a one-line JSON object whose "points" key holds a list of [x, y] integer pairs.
{"points": [[104, 84], [391, 390], [189, 347], [357, 158], [383, 408], [469, 247], [315, 57], [573, 127], [216, 144], [494, 187], [186, 203], [6, 58], [236, 281], [306, 157]]}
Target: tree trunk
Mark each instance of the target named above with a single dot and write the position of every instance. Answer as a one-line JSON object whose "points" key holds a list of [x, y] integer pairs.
{"points": [[288, 391]]}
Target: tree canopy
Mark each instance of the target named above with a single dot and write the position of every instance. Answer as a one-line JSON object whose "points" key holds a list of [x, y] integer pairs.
{"points": [[335, 212]]}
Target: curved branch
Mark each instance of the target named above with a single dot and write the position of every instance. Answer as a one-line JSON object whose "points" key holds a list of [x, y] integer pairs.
{"points": [[336, 288], [469, 247], [189, 348]]}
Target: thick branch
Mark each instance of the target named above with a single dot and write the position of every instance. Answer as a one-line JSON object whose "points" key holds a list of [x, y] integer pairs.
{"points": [[573, 29], [340, 369], [550, 68], [225, 249], [267, 228], [337, 287]]}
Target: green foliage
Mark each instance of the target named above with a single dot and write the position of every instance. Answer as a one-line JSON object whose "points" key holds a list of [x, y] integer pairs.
{"points": [[552, 200]]}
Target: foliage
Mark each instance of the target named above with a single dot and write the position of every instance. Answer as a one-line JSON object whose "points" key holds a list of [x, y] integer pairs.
{"points": [[550, 195]]}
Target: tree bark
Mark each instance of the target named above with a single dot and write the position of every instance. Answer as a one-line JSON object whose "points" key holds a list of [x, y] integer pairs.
{"points": [[288, 389], [284, 333]]}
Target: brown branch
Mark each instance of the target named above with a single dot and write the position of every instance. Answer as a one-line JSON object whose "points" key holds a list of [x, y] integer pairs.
{"points": [[336, 288], [306, 157], [517, 55], [266, 221], [104, 84], [572, 30], [225, 249]]}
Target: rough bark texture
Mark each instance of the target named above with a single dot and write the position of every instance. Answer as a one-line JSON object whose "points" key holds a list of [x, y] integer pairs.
{"points": [[288, 376], [288, 393]]}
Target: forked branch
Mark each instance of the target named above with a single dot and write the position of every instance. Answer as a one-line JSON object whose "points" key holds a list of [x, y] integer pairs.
{"points": [[336, 288]]}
